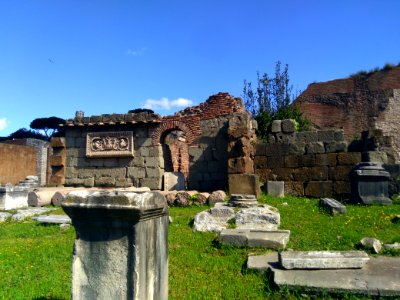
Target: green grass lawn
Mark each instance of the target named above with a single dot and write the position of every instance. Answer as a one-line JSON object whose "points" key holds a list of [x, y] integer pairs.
{"points": [[35, 260]]}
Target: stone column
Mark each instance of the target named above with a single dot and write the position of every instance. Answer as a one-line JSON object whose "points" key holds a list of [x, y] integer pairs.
{"points": [[121, 246]]}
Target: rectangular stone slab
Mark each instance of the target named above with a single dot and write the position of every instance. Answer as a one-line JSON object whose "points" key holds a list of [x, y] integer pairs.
{"points": [[276, 239], [54, 219], [323, 259], [234, 237], [333, 206]]}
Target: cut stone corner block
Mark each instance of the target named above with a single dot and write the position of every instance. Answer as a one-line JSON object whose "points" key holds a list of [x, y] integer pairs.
{"points": [[333, 206], [121, 249], [275, 188], [323, 259], [244, 184]]}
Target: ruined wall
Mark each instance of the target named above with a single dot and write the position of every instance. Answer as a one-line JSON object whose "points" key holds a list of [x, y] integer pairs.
{"points": [[202, 147], [357, 104], [17, 162], [314, 163]]}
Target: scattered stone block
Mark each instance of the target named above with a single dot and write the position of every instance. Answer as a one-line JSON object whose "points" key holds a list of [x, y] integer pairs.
{"points": [[234, 237], [121, 249], [263, 217], [243, 200], [276, 126], [244, 184], [64, 226], [394, 246], [333, 206], [13, 197], [4, 216], [214, 219], [372, 244], [40, 197], [276, 188], [277, 239], [182, 199], [261, 263], [216, 196], [272, 239], [379, 278], [53, 219], [29, 212], [323, 259], [174, 181]]}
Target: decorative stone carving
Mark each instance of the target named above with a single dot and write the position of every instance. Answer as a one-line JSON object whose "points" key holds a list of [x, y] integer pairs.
{"points": [[109, 144]]}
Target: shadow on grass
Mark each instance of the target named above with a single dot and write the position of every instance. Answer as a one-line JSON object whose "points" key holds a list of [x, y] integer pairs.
{"points": [[48, 298]]}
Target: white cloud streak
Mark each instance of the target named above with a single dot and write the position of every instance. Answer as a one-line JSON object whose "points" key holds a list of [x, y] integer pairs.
{"points": [[3, 123], [135, 52], [166, 104]]}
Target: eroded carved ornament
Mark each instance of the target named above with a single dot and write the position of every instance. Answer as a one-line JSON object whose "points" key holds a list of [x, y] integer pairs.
{"points": [[109, 144]]}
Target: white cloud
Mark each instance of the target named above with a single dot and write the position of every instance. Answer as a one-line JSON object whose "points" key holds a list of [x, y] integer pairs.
{"points": [[135, 52], [3, 123], [166, 104]]}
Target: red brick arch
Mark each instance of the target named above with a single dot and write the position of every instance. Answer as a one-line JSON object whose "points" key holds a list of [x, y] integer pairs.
{"points": [[172, 125]]}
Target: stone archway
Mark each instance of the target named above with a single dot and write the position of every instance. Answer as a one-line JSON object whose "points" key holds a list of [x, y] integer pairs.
{"points": [[175, 152]]}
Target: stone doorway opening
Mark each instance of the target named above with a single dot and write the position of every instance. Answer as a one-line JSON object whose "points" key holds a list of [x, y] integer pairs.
{"points": [[175, 152]]}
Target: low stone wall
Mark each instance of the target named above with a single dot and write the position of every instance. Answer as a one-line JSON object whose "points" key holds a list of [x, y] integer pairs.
{"points": [[314, 164], [17, 162]]}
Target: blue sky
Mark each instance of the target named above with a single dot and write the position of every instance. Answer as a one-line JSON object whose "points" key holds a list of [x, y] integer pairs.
{"points": [[57, 57]]}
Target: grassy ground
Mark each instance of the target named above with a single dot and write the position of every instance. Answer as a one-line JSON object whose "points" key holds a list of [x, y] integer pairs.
{"points": [[35, 260]]}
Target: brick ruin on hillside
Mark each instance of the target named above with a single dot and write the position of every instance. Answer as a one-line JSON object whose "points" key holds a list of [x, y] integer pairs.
{"points": [[367, 103]]}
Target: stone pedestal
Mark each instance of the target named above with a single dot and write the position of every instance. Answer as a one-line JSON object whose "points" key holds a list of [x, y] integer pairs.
{"points": [[369, 184], [121, 250], [13, 197]]}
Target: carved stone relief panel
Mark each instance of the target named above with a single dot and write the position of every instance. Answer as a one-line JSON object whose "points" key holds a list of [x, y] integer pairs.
{"points": [[109, 144]]}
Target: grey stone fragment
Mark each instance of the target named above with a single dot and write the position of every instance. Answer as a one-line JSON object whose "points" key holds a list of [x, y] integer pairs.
{"points": [[288, 125], [174, 181], [272, 239], [333, 206], [372, 244], [4, 216], [234, 237], [323, 259], [214, 219], [216, 196], [276, 126], [261, 263], [243, 200], [275, 188], [64, 226], [394, 246], [263, 217], [380, 277], [53, 219], [30, 212]]}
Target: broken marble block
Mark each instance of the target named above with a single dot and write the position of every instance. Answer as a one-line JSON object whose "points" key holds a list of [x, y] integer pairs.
{"points": [[214, 219], [333, 206], [263, 217], [275, 239], [372, 244], [323, 259]]}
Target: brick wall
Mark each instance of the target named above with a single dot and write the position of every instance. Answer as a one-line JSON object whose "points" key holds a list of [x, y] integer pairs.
{"points": [[17, 162], [356, 104], [314, 164]]}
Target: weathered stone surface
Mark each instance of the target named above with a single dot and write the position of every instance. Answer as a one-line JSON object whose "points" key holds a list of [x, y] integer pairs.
{"points": [[29, 212], [380, 277], [4, 216], [316, 147], [40, 197], [200, 198], [276, 126], [277, 239], [234, 237], [261, 263], [394, 246], [271, 239], [214, 219], [216, 196], [319, 189], [264, 217], [275, 188], [378, 157], [288, 126], [244, 184], [171, 198], [323, 259], [182, 199], [13, 197], [372, 244], [121, 246], [53, 219], [243, 200], [174, 181], [151, 183], [369, 184], [333, 206]]}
